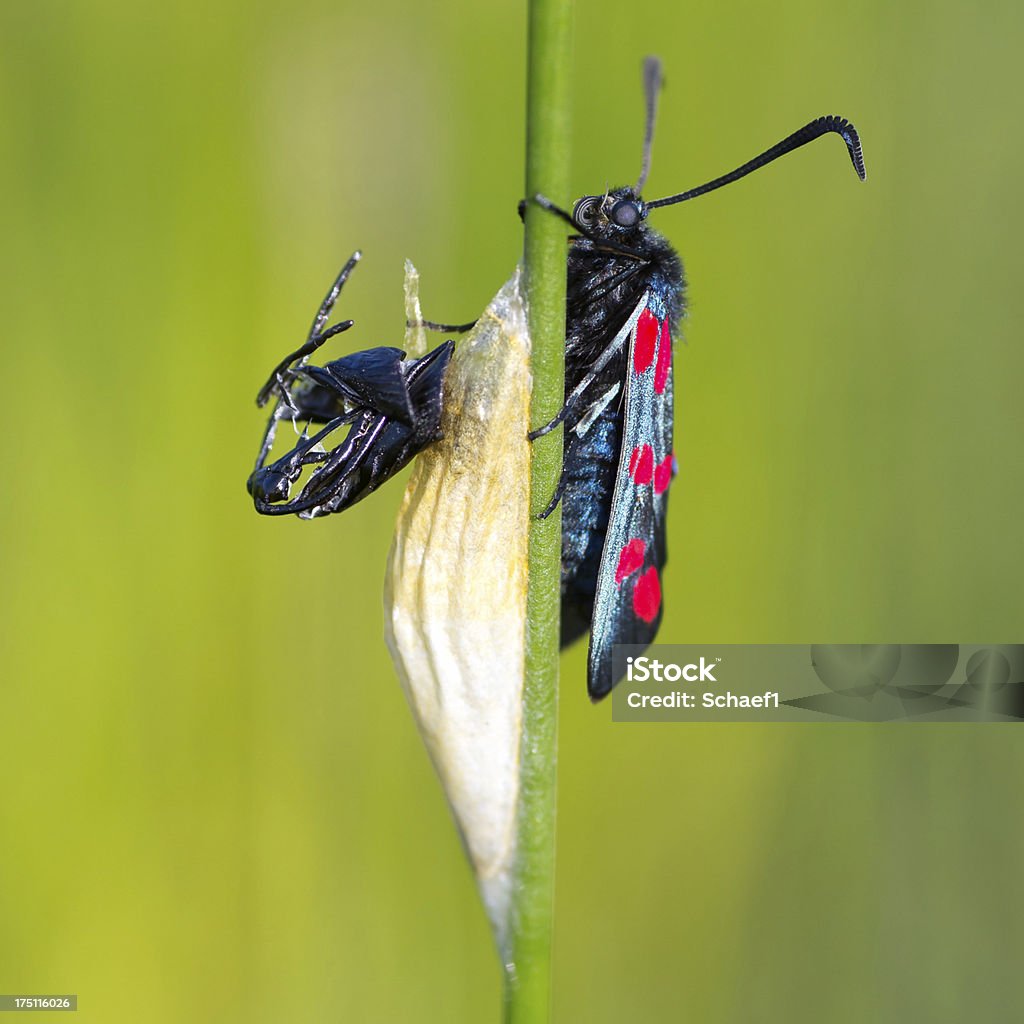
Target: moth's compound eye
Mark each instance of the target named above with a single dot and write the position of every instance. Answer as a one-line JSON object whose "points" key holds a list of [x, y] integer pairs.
{"points": [[585, 211], [625, 213]]}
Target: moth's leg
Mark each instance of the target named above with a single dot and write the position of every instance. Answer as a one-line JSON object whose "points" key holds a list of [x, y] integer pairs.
{"points": [[431, 325], [317, 335], [263, 473], [556, 497], [332, 296], [269, 435], [342, 462], [570, 404], [578, 392], [602, 243], [270, 485], [277, 376], [551, 424], [386, 443], [299, 454], [545, 204]]}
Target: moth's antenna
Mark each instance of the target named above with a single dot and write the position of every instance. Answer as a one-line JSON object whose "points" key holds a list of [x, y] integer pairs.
{"points": [[652, 86], [809, 132]]}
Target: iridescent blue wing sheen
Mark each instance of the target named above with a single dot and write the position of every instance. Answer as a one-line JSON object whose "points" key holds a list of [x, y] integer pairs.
{"points": [[628, 600]]}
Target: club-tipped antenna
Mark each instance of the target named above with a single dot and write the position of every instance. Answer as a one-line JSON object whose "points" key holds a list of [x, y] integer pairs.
{"points": [[820, 126], [652, 86]]}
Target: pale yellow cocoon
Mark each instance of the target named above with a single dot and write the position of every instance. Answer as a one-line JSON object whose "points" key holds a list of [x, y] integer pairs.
{"points": [[455, 590]]}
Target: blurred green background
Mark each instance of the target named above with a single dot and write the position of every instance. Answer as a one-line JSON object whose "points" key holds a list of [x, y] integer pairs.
{"points": [[213, 803]]}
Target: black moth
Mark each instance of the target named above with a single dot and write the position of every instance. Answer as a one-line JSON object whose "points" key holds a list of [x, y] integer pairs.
{"points": [[624, 304], [391, 405]]}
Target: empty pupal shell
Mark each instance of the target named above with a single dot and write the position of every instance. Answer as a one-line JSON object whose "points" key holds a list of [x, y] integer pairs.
{"points": [[455, 590]]}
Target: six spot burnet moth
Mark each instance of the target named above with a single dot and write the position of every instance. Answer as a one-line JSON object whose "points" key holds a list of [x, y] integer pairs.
{"points": [[625, 300]]}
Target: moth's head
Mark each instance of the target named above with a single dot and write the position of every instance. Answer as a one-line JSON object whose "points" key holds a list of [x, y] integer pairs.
{"points": [[619, 214]]}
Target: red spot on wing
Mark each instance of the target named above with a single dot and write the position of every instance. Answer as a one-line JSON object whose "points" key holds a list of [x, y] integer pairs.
{"points": [[641, 464], [631, 557], [647, 595], [646, 337], [663, 473], [664, 359]]}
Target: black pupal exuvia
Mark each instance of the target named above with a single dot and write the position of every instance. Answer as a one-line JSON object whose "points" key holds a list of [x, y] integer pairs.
{"points": [[625, 300], [391, 406]]}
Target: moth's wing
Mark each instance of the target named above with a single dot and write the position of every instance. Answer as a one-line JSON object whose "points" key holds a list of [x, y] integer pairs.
{"points": [[425, 379], [627, 603], [388, 445], [380, 440], [374, 378]]}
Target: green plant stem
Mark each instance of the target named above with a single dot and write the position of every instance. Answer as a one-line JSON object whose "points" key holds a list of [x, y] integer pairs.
{"points": [[528, 970]]}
